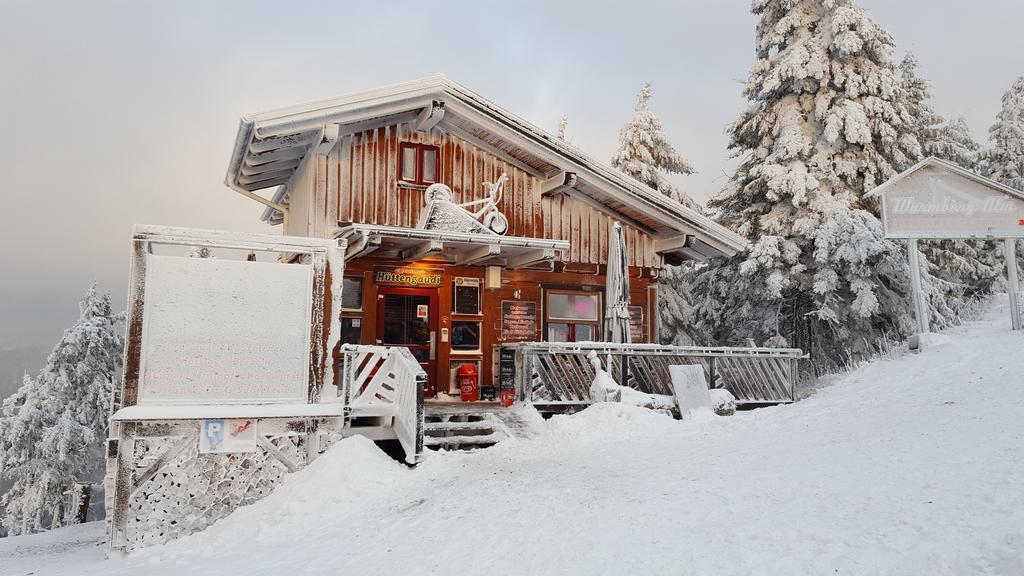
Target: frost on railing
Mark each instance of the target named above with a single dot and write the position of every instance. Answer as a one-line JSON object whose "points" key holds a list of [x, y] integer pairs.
{"points": [[561, 374], [381, 381], [175, 491]]}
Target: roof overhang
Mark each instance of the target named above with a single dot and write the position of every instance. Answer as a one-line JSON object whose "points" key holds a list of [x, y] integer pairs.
{"points": [[409, 245], [270, 146]]}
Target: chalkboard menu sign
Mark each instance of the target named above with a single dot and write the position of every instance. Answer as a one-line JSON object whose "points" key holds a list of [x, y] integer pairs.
{"points": [[518, 320], [636, 323], [507, 369]]}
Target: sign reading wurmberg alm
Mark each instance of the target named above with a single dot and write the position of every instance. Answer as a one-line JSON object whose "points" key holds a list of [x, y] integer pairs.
{"points": [[936, 202]]}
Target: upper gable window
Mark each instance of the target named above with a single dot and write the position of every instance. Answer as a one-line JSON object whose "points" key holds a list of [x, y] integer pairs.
{"points": [[417, 163]]}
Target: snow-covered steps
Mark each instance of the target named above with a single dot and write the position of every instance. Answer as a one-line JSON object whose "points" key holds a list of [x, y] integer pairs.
{"points": [[461, 426], [454, 430]]}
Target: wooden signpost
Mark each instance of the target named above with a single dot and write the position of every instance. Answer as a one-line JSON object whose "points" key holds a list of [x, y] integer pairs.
{"points": [[938, 200]]}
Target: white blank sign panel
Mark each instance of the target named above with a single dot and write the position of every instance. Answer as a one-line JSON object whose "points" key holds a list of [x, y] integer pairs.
{"points": [[225, 331]]}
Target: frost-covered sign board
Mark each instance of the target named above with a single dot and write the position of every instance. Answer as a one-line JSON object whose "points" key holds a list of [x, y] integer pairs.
{"points": [[939, 200], [225, 331]]}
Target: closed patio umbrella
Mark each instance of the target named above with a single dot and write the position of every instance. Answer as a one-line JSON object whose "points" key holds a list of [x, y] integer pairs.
{"points": [[616, 314]]}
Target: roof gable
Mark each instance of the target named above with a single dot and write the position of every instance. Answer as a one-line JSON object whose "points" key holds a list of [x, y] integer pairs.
{"points": [[938, 199], [271, 145]]}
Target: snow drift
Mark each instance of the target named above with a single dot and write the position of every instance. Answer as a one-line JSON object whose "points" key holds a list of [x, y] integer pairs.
{"points": [[910, 465]]}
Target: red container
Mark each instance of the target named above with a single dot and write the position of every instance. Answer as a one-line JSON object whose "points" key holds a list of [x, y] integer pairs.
{"points": [[469, 383], [508, 398]]}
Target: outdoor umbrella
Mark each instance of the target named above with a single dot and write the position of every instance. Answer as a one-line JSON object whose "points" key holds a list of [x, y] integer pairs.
{"points": [[616, 315]]}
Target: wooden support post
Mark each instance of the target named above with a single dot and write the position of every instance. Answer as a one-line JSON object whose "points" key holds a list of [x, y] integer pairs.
{"points": [[920, 306], [1012, 282]]}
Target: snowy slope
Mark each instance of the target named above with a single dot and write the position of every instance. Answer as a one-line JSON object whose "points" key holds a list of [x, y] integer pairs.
{"points": [[910, 465]]}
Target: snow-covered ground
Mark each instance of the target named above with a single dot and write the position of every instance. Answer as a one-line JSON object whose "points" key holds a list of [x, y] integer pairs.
{"points": [[910, 465]]}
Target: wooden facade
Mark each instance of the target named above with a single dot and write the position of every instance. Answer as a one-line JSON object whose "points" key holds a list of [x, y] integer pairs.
{"points": [[357, 182], [337, 167]]}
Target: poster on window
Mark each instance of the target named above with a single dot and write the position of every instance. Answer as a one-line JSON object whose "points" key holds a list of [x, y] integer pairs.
{"points": [[636, 324], [227, 436]]}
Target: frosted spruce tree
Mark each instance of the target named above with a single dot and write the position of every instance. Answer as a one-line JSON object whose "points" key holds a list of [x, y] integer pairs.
{"points": [[52, 431], [1003, 160], [958, 268], [644, 151], [828, 122]]}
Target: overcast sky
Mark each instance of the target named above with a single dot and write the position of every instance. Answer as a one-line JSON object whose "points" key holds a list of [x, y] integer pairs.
{"points": [[122, 113]]}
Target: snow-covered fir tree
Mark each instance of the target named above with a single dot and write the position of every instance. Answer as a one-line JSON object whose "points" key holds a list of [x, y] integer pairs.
{"points": [[52, 430], [959, 268], [644, 151], [828, 122], [1003, 160]]}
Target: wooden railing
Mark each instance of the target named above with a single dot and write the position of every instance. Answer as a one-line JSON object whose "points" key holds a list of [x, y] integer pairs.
{"points": [[559, 373], [385, 382]]}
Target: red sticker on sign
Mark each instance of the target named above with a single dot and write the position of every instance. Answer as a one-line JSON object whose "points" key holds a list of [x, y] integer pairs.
{"points": [[421, 311]]}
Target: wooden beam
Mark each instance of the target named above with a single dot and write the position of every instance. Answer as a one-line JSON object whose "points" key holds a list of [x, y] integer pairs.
{"points": [[421, 250], [672, 243], [271, 167], [160, 462], [494, 150], [265, 176], [531, 257], [477, 255], [276, 453], [366, 244], [300, 139], [430, 116], [557, 183], [275, 156]]}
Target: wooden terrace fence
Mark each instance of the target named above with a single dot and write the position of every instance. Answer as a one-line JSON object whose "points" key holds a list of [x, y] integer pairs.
{"points": [[561, 374]]}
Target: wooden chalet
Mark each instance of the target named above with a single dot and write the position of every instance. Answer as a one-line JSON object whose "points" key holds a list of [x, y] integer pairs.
{"points": [[439, 269]]}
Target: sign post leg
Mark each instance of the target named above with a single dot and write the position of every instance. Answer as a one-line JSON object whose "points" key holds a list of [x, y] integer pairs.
{"points": [[1012, 283], [920, 307]]}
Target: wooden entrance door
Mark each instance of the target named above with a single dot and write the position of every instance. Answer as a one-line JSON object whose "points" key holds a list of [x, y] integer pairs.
{"points": [[408, 317]]}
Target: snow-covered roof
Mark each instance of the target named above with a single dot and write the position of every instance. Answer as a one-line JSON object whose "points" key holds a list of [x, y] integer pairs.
{"points": [[950, 167], [271, 145]]}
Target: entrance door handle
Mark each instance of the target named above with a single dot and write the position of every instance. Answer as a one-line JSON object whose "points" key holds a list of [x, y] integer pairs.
{"points": [[433, 345]]}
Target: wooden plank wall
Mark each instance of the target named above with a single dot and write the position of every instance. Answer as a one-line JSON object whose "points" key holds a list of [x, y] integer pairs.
{"points": [[361, 181]]}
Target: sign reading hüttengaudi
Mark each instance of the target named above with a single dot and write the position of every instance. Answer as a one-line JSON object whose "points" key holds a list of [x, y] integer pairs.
{"points": [[939, 200]]}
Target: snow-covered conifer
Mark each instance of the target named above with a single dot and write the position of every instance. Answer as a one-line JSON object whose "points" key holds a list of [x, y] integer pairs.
{"points": [[957, 267], [828, 122], [644, 151], [53, 429], [1004, 158]]}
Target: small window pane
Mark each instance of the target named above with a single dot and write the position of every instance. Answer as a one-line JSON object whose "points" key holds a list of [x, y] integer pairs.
{"points": [[585, 333], [429, 165], [352, 293], [573, 306], [465, 336], [408, 163], [351, 330], [558, 332]]}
